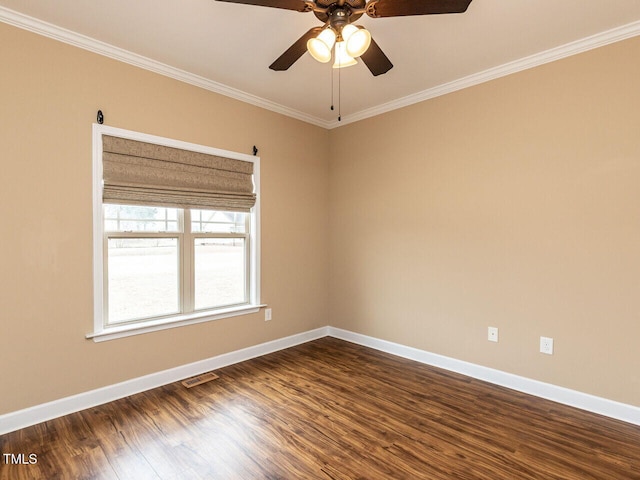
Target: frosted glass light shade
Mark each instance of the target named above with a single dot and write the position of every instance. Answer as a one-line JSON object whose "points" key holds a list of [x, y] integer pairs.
{"points": [[320, 47], [343, 59], [357, 40]]}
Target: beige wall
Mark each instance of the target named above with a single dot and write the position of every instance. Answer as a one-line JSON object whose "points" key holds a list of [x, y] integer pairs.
{"points": [[514, 204], [50, 95]]}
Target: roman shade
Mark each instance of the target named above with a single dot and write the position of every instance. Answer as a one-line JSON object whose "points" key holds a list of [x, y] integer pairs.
{"points": [[141, 173]]}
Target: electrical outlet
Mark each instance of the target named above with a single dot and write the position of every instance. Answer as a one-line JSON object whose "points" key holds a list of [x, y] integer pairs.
{"points": [[492, 335], [267, 314], [546, 345]]}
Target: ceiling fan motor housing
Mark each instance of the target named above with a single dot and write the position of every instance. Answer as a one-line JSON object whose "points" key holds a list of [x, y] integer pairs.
{"points": [[327, 11]]}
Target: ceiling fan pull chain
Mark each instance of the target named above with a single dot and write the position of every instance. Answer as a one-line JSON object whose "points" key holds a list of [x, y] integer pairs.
{"points": [[339, 99], [331, 73]]}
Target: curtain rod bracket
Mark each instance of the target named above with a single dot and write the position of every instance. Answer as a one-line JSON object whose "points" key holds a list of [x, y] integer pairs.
{"points": [[255, 150], [100, 117]]}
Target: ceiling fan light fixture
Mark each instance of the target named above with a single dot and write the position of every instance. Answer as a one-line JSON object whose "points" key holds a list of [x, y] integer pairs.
{"points": [[357, 39], [343, 59], [320, 46]]}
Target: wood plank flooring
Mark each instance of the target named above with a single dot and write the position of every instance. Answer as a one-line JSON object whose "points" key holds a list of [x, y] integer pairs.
{"points": [[328, 410]]}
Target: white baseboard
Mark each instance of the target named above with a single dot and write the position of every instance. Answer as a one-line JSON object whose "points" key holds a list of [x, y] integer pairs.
{"points": [[47, 411], [572, 398]]}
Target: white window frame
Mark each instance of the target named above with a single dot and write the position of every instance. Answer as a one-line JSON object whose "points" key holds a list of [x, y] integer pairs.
{"points": [[102, 331]]}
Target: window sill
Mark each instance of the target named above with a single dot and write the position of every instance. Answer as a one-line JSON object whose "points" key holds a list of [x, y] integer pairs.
{"points": [[112, 333]]}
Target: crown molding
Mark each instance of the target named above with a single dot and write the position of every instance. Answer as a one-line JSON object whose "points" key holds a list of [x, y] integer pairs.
{"points": [[69, 37], [573, 48], [49, 30]]}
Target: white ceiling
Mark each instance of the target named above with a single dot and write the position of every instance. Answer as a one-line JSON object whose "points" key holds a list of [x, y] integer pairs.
{"points": [[228, 47]]}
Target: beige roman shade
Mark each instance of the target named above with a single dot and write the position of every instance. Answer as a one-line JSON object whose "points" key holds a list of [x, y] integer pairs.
{"points": [[143, 173]]}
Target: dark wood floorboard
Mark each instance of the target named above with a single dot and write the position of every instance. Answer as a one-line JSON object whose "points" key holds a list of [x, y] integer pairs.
{"points": [[328, 410]]}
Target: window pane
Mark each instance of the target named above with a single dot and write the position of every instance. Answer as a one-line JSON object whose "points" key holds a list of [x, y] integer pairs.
{"points": [[134, 218], [219, 272], [214, 221], [143, 278]]}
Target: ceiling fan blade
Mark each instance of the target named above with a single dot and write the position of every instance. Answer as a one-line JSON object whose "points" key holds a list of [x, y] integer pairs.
{"points": [[297, 5], [400, 8], [295, 51], [375, 59]]}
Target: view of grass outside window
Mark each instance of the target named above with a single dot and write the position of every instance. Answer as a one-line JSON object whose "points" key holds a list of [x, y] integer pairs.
{"points": [[168, 261]]}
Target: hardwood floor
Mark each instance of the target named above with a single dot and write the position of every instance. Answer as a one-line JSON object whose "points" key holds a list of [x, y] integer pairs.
{"points": [[327, 410]]}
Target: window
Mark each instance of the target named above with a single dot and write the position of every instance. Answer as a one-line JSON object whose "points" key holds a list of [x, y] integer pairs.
{"points": [[159, 266]]}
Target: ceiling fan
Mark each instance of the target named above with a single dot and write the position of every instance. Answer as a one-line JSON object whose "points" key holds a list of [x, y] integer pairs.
{"points": [[341, 35]]}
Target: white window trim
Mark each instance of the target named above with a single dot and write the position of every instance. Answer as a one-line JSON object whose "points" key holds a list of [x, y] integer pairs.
{"points": [[102, 332]]}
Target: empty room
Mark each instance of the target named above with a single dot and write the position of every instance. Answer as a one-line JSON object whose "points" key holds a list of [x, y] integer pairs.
{"points": [[307, 239]]}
